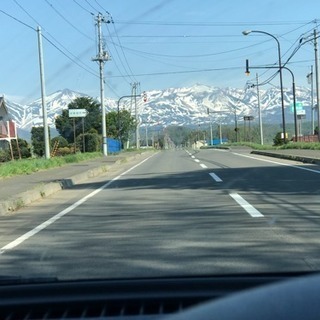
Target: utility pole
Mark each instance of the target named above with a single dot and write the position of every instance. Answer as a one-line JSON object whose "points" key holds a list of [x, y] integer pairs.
{"points": [[134, 95], [315, 42], [259, 110], [310, 81], [102, 57], [43, 97]]}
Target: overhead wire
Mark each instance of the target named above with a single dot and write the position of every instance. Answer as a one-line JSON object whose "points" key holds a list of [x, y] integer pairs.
{"points": [[116, 64], [181, 72], [212, 24], [74, 58], [68, 21], [125, 64], [16, 19], [91, 5], [82, 7]]}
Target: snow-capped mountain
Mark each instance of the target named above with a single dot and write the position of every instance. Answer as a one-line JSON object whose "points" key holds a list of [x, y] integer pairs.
{"points": [[179, 106]]}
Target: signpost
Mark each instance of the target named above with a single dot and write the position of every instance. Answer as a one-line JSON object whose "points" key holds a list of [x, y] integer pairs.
{"points": [[78, 113], [248, 118]]}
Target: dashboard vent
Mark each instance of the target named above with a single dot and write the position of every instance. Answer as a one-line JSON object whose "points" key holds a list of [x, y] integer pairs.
{"points": [[134, 309]]}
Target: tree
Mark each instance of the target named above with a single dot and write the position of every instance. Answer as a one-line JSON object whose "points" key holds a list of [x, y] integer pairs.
{"points": [[24, 149], [65, 125], [37, 140], [120, 125]]}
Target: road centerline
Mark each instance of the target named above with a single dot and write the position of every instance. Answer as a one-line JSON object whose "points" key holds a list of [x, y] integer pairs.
{"points": [[246, 205], [215, 177]]}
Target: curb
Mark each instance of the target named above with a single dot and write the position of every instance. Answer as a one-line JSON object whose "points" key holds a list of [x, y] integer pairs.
{"points": [[287, 156], [11, 205]]}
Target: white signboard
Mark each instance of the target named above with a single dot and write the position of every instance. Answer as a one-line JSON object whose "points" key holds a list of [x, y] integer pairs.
{"points": [[301, 112], [77, 113]]}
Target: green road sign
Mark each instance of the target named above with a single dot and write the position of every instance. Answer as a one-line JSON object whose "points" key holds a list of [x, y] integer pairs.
{"points": [[299, 106]]}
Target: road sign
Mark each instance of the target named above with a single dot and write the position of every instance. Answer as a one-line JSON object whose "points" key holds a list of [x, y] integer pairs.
{"points": [[78, 113], [299, 106], [248, 118], [301, 112]]}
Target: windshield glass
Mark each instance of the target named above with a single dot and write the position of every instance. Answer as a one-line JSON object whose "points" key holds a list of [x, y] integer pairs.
{"points": [[158, 138]]}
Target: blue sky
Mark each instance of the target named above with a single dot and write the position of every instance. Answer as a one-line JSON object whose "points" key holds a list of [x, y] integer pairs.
{"points": [[160, 44]]}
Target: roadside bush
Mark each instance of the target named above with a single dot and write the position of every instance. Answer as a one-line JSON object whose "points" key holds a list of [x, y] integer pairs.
{"points": [[62, 141], [92, 142], [278, 141], [64, 151], [5, 155], [25, 150]]}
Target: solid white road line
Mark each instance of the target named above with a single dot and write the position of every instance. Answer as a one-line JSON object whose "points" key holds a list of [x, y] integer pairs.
{"points": [[215, 177], [246, 206], [56, 217], [275, 162]]}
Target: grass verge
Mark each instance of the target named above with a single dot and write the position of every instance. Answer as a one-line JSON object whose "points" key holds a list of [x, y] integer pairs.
{"points": [[290, 145], [28, 166]]}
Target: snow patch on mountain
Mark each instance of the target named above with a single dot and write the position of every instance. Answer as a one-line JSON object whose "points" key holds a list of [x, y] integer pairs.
{"points": [[180, 106]]}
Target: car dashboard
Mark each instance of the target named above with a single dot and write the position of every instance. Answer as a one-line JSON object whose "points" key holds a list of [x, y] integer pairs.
{"points": [[156, 298]]}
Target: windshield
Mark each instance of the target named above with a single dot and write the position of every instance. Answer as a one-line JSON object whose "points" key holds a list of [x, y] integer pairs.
{"points": [[158, 138]]}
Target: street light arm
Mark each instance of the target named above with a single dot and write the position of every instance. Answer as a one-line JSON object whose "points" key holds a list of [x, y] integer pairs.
{"points": [[280, 73]]}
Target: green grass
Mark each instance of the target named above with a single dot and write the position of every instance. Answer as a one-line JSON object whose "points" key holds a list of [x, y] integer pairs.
{"points": [[252, 145], [28, 166], [290, 145], [301, 145]]}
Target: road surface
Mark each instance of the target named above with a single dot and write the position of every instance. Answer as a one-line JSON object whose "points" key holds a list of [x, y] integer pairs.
{"points": [[181, 212]]}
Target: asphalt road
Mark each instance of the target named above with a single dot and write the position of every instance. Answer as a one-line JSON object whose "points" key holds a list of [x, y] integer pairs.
{"points": [[173, 213]]}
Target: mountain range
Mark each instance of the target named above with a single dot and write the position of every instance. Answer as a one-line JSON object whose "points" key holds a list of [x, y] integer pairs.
{"points": [[186, 106]]}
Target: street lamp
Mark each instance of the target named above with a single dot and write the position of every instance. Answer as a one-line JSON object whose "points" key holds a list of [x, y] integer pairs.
{"points": [[247, 32], [293, 93]]}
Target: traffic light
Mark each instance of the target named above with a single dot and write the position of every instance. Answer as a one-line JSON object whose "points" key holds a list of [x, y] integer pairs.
{"points": [[247, 68]]}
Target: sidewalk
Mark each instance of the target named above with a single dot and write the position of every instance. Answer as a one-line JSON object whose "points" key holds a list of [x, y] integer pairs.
{"points": [[21, 190]]}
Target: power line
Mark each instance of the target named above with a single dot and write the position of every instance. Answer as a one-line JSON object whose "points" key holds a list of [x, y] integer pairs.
{"points": [[187, 56], [73, 60], [67, 21], [26, 12], [91, 5], [127, 66], [182, 72], [101, 6], [82, 7], [16, 19], [213, 24]]}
